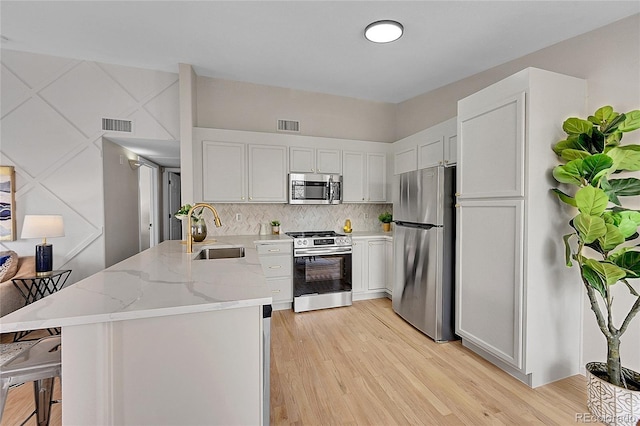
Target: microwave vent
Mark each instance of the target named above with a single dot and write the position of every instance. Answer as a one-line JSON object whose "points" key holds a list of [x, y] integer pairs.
{"points": [[288, 126], [115, 125]]}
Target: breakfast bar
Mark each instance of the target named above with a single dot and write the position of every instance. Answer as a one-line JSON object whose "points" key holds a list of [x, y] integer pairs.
{"points": [[164, 337]]}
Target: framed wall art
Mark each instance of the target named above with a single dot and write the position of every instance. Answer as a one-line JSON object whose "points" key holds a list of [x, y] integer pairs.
{"points": [[7, 203]]}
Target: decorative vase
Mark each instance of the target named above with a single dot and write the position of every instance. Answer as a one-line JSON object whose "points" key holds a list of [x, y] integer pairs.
{"points": [[610, 404], [386, 227], [275, 230], [199, 231]]}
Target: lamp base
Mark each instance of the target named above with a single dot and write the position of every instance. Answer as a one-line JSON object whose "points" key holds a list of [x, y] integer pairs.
{"points": [[44, 259]]}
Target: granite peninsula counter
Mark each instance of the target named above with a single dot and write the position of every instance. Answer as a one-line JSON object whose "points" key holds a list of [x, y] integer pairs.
{"points": [[161, 338]]}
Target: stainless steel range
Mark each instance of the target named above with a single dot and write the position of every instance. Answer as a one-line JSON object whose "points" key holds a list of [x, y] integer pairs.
{"points": [[321, 270]]}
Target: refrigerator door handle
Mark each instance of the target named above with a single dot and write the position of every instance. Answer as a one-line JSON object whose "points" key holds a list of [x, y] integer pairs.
{"points": [[416, 225]]}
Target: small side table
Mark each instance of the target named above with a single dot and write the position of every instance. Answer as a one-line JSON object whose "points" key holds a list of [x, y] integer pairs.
{"points": [[35, 288]]}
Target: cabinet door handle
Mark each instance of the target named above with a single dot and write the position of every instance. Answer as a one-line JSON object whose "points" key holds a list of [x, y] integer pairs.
{"points": [[272, 250], [457, 205], [275, 267], [457, 194]]}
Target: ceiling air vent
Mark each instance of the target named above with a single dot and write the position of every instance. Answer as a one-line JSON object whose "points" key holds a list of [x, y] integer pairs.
{"points": [[115, 125], [288, 126]]}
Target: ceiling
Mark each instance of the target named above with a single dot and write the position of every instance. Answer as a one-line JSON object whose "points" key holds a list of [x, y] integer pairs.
{"points": [[306, 45]]}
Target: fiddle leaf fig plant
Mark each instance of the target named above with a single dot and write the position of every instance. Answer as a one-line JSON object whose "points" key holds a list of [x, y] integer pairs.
{"points": [[602, 242]]}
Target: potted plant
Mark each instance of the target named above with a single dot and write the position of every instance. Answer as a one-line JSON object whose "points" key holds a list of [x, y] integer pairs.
{"points": [[275, 227], [198, 225], [386, 219], [602, 244]]}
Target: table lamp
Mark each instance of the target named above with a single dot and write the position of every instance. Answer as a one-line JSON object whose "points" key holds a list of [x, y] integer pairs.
{"points": [[43, 226]]}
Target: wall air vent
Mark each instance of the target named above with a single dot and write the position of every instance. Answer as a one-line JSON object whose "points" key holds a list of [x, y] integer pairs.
{"points": [[115, 125], [288, 126]]}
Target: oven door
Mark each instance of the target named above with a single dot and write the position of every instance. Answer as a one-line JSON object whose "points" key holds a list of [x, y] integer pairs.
{"points": [[321, 281]]}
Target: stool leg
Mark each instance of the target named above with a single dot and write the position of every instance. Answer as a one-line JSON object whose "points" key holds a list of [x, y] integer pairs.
{"points": [[4, 384], [43, 389]]}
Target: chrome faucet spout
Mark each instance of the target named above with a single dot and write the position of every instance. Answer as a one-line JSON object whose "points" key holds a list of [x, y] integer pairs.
{"points": [[216, 220]]}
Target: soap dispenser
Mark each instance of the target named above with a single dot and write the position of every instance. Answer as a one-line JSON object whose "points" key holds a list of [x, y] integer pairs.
{"points": [[347, 226]]}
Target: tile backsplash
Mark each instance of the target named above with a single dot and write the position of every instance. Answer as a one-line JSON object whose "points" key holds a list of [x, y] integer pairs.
{"points": [[364, 217]]}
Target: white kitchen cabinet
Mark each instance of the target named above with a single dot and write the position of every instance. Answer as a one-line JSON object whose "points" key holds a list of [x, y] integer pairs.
{"points": [[277, 265], [405, 160], [430, 152], [237, 172], [370, 267], [224, 172], [390, 265], [311, 160], [267, 173], [364, 178], [517, 304], [435, 146]]}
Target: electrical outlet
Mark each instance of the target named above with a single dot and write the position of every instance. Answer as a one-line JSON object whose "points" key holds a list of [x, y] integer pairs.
{"points": [[238, 217], [366, 215]]}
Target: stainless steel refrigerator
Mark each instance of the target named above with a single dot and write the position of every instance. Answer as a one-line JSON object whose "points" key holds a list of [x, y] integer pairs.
{"points": [[423, 243]]}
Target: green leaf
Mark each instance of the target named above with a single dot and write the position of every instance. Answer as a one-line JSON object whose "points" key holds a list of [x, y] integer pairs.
{"points": [[593, 166], [591, 201], [603, 114], [631, 122], [632, 215], [572, 142], [627, 228], [613, 139], [564, 197], [628, 187], [608, 189], [596, 141], [625, 157], [567, 249], [612, 125], [575, 126], [590, 228], [609, 272], [593, 279], [574, 154], [611, 239], [629, 260], [568, 173]]}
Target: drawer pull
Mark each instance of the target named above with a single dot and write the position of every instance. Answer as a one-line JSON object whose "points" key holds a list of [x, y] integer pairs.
{"points": [[275, 267], [273, 250], [275, 291]]}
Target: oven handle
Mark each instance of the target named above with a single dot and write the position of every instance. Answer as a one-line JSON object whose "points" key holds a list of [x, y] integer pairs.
{"points": [[322, 251]]}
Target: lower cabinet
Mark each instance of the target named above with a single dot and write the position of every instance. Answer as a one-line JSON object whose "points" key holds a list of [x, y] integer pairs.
{"points": [[372, 267], [277, 265]]}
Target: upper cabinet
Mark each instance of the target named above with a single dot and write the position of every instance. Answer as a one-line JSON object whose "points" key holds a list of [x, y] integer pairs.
{"points": [[224, 172], [233, 166], [237, 172], [435, 146], [488, 133], [311, 160], [267, 174], [365, 177]]}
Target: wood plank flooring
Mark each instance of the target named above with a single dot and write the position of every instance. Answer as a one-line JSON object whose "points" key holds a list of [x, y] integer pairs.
{"points": [[364, 365]]}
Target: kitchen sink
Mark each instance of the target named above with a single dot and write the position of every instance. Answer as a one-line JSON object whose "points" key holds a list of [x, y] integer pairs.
{"points": [[220, 253]]}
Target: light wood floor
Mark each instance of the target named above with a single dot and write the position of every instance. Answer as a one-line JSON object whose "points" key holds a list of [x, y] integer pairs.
{"points": [[364, 365]]}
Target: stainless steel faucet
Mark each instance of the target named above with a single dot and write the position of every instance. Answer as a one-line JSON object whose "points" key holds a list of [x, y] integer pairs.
{"points": [[216, 219]]}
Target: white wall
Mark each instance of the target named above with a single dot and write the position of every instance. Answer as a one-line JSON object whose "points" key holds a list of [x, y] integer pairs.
{"points": [[120, 204], [51, 132], [233, 105]]}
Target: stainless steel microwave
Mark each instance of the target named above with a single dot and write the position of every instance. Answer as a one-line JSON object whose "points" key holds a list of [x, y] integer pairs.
{"points": [[306, 188]]}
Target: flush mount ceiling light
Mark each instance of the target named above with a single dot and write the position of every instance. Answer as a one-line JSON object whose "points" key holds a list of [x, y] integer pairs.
{"points": [[383, 31]]}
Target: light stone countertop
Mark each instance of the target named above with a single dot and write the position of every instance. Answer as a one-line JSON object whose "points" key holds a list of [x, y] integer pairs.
{"points": [[163, 280]]}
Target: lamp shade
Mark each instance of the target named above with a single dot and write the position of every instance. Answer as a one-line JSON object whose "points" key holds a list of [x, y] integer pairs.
{"points": [[42, 226]]}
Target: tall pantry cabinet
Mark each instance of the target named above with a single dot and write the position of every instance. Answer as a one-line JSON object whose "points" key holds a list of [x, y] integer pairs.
{"points": [[517, 304]]}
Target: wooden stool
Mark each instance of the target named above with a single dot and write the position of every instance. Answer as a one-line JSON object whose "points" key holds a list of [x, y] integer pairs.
{"points": [[38, 362]]}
